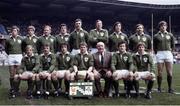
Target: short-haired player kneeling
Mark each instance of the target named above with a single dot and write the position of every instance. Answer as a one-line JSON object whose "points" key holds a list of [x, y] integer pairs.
{"points": [[28, 71], [144, 69]]}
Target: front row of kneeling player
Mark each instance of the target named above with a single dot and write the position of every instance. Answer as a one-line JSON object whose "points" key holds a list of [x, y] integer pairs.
{"points": [[46, 68]]}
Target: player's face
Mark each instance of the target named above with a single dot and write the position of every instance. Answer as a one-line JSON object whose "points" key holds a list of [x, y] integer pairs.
{"points": [[14, 32], [29, 51], [122, 48], [78, 25], [46, 49], [47, 31], [30, 31], [83, 49], [118, 28], [100, 48], [163, 28], [64, 48], [141, 49], [140, 29], [99, 25], [63, 29]]}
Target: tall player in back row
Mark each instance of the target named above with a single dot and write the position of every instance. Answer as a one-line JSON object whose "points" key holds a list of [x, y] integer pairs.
{"points": [[14, 51], [163, 46]]}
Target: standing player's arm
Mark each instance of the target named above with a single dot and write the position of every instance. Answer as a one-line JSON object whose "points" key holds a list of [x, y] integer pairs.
{"points": [[71, 41], [155, 44], [55, 45], [37, 65], [131, 44], [134, 64], [86, 37], [105, 37], [22, 67], [151, 64], [40, 64], [75, 64], [113, 63], [23, 46], [172, 42], [91, 63], [149, 44], [130, 62], [7, 46], [53, 62], [92, 38], [38, 46], [126, 39]]}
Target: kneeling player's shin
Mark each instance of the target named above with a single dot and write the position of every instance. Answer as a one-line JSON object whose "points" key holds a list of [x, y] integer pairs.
{"points": [[150, 85], [55, 84], [48, 85]]}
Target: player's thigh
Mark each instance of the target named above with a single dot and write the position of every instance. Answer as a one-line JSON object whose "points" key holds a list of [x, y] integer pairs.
{"points": [[26, 75], [61, 73]]}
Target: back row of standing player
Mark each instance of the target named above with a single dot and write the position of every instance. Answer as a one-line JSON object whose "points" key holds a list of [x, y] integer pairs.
{"points": [[163, 43]]}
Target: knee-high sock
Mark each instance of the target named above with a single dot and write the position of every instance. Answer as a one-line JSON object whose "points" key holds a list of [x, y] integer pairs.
{"points": [[169, 80], [16, 85], [60, 83], [116, 86], [30, 84], [136, 85], [159, 81], [129, 86], [125, 84], [38, 85], [66, 82], [11, 81], [55, 84], [150, 85], [48, 85]]}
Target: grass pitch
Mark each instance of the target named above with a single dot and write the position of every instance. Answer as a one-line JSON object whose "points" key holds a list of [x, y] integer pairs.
{"points": [[158, 98]]}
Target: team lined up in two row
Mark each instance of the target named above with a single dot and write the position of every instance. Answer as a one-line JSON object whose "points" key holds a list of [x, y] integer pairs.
{"points": [[89, 56]]}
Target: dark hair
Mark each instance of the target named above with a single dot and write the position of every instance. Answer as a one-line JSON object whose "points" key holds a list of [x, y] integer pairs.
{"points": [[161, 23], [98, 20], [15, 27], [139, 44], [78, 19], [122, 42], [140, 25], [47, 26], [83, 44], [31, 27], [63, 25], [64, 44], [116, 23]]}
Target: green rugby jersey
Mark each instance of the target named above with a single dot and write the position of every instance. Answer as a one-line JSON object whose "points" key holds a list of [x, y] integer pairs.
{"points": [[135, 39], [77, 37], [122, 61], [47, 63], [83, 62], [64, 61], [14, 45], [115, 38], [143, 62], [96, 36], [30, 41], [164, 41], [30, 63]]}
